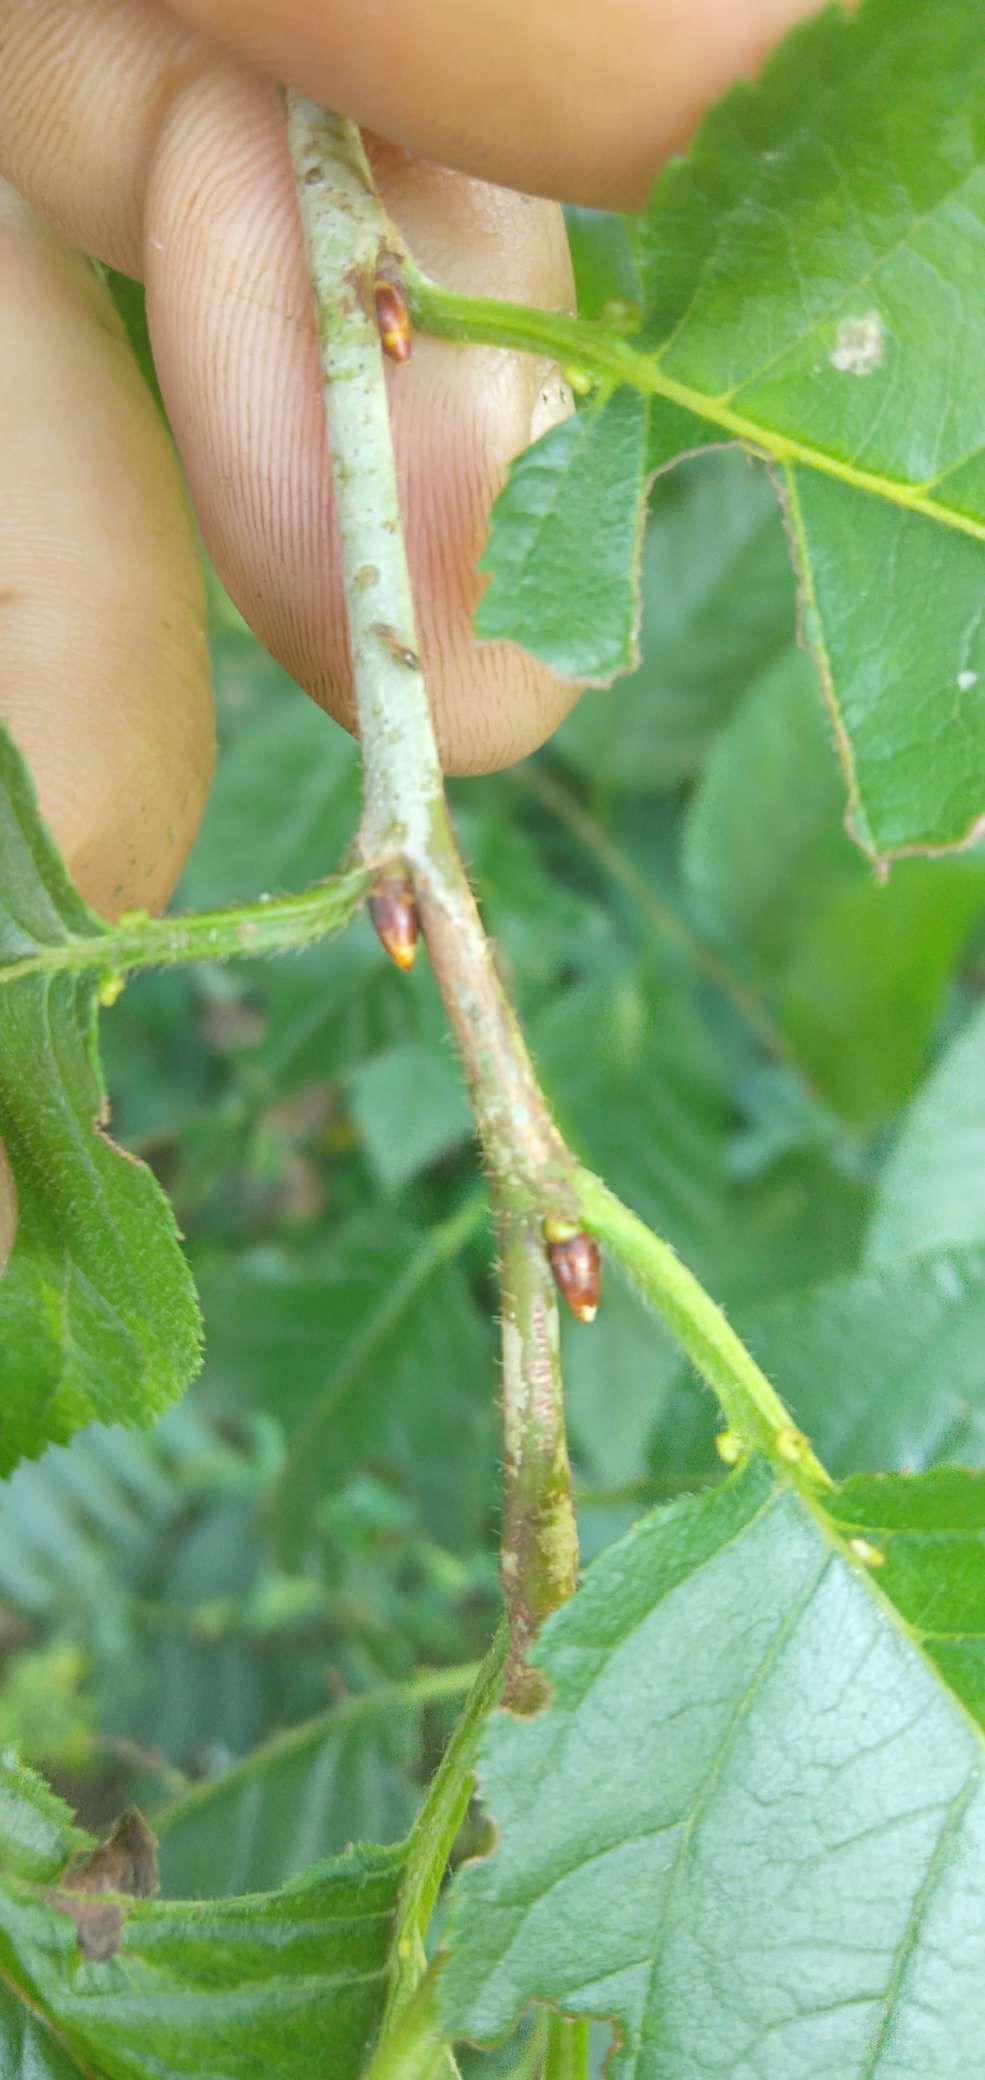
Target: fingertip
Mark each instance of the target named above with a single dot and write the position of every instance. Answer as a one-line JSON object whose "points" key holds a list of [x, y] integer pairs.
{"points": [[232, 320], [569, 98]]}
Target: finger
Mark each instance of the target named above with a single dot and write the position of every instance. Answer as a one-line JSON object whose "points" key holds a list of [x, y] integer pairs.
{"points": [[103, 669], [230, 312], [581, 99]]}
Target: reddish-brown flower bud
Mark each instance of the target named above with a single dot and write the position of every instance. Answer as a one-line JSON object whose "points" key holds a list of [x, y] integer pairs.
{"points": [[574, 1260], [394, 914], [392, 318]]}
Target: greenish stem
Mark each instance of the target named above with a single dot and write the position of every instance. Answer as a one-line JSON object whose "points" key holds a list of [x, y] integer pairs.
{"points": [[587, 345], [432, 1836], [272, 924], [566, 2055], [348, 238], [753, 1411], [539, 1539], [416, 2047], [580, 342]]}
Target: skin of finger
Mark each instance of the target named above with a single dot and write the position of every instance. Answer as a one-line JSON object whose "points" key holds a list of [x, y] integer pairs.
{"points": [[104, 679], [231, 317], [581, 99]]}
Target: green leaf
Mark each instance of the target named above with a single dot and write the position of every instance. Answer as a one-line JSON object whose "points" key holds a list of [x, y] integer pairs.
{"points": [[410, 1108], [902, 662], [97, 1309], [36, 1830], [812, 268], [576, 501], [375, 1350], [810, 272], [131, 305], [928, 1543], [641, 1098], [882, 1367], [271, 1983], [283, 807], [274, 1982], [764, 845], [862, 994], [749, 1824], [305, 1794], [603, 260], [718, 605], [931, 1189], [29, 2050], [806, 214]]}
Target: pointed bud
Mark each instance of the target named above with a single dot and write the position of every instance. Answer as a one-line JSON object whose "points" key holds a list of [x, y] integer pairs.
{"points": [[392, 318], [574, 1259], [394, 914], [580, 380], [729, 1446]]}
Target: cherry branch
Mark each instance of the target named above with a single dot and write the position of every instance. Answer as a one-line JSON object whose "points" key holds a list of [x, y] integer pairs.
{"points": [[539, 1535], [542, 1194], [406, 840]]}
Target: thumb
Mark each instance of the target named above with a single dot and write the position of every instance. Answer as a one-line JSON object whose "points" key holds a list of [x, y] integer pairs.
{"points": [[582, 99]]}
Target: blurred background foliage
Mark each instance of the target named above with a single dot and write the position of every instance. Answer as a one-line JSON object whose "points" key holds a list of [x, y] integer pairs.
{"points": [[258, 1620]]}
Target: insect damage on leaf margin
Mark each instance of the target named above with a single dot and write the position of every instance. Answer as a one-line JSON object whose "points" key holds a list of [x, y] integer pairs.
{"points": [[126, 1862]]}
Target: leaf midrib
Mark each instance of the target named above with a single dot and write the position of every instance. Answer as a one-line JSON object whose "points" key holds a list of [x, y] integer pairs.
{"points": [[844, 297], [449, 314]]}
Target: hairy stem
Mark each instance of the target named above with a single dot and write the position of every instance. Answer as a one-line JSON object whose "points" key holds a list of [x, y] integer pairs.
{"points": [[539, 1534], [416, 2048], [587, 344], [269, 925], [432, 1836], [566, 2053], [757, 1418], [348, 240], [348, 237]]}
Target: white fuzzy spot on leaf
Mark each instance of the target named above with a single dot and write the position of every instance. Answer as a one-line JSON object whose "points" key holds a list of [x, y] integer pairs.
{"points": [[860, 344]]}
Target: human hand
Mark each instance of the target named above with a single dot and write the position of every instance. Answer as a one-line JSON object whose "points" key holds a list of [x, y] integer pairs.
{"points": [[152, 137]]}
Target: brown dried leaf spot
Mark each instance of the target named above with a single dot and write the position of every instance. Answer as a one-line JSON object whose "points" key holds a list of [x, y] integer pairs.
{"points": [[126, 1862]]}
